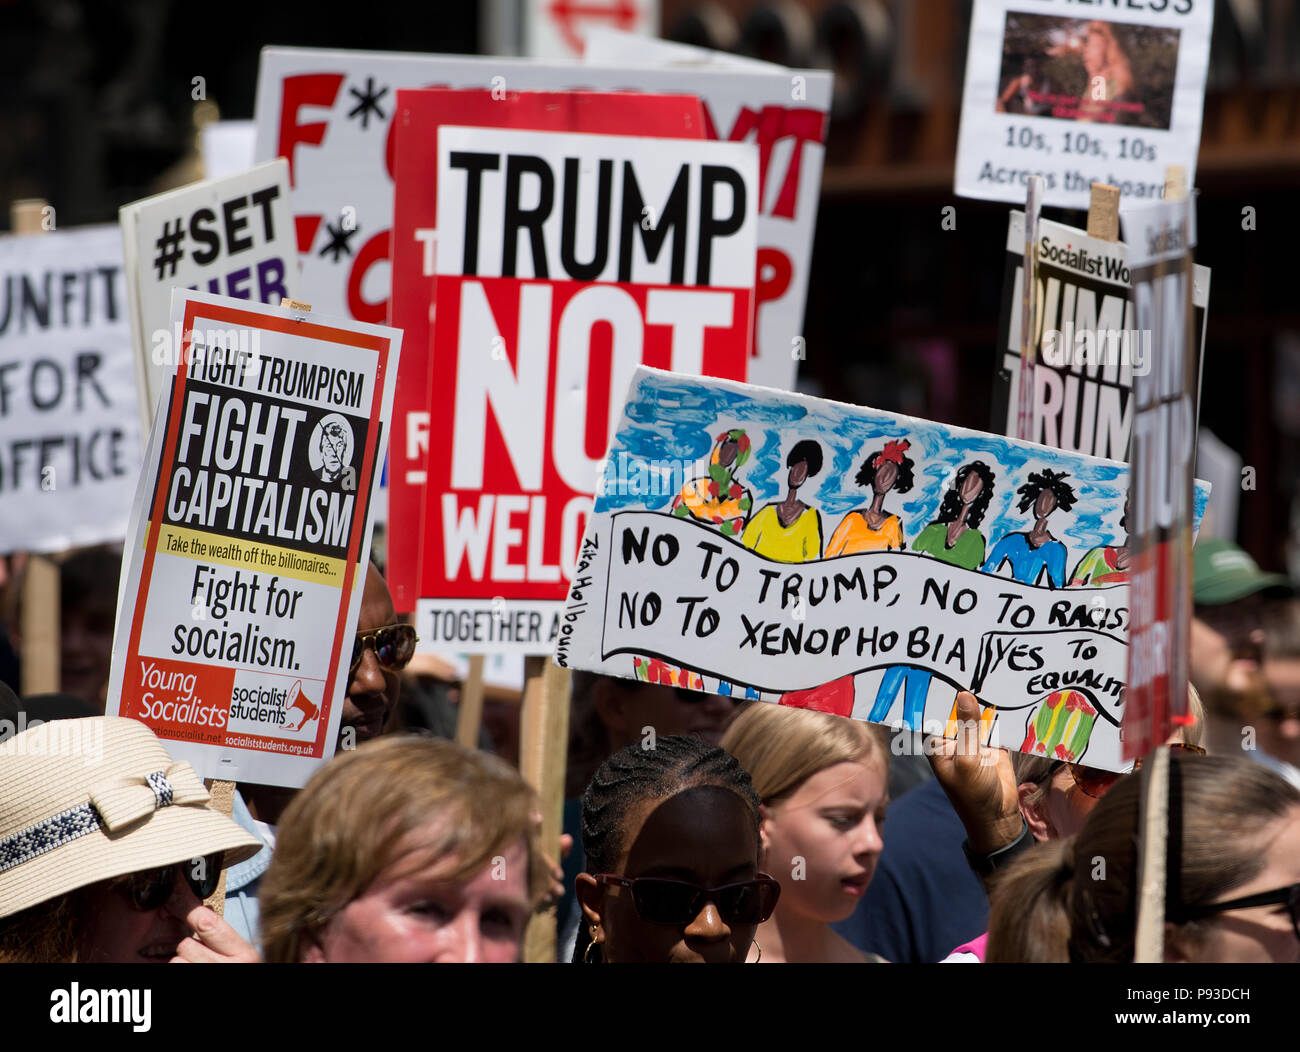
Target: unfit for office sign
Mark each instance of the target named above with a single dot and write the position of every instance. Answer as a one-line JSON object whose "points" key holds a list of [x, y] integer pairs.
{"points": [[564, 262]]}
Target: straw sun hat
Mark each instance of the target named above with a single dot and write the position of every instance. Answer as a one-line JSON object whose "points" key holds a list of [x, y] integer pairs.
{"points": [[85, 800]]}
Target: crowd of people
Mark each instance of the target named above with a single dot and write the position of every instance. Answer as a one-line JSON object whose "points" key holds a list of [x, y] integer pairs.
{"points": [[698, 827]]}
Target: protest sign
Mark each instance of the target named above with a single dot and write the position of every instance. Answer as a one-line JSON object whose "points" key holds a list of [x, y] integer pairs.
{"points": [[250, 537], [536, 338], [1089, 344], [69, 431], [883, 563], [230, 236], [1161, 237], [415, 138], [329, 113], [1081, 95]]}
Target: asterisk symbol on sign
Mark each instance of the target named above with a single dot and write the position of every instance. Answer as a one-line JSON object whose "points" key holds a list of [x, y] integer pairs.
{"points": [[339, 238], [367, 102]]}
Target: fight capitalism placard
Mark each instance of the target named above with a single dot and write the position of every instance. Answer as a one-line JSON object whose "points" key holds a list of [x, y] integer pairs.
{"points": [[251, 535]]}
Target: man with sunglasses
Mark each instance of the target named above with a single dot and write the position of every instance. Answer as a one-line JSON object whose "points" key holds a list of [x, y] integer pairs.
{"points": [[381, 649]]}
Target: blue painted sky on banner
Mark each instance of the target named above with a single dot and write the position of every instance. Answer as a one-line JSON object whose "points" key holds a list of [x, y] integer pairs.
{"points": [[673, 418]]}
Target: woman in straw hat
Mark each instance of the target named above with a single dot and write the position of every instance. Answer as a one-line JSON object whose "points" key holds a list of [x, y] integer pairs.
{"points": [[107, 848]]}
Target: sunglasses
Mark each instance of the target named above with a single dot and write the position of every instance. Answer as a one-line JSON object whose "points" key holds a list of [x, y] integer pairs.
{"points": [[394, 646], [1288, 896], [1095, 783], [662, 901], [151, 889]]}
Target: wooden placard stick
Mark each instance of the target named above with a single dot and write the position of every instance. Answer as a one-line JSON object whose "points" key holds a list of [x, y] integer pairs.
{"points": [[39, 599], [1103, 212], [223, 800], [469, 718], [543, 753], [1153, 817], [1025, 415]]}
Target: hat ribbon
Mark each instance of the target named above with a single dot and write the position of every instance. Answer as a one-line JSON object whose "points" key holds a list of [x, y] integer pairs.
{"points": [[113, 805], [122, 801]]}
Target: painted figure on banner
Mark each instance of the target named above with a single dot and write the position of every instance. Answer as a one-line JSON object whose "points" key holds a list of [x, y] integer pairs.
{"points": [[873, 529], [789, 531], [1033, 552], [720, 500], [954, 536], [1107, 564]]}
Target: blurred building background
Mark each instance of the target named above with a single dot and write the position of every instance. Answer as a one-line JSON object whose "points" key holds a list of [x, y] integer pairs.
{"points": [[96, 110]]}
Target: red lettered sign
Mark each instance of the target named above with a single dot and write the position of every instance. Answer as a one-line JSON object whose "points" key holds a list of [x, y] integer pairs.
{"points": [[564, 261], [415, 152]]}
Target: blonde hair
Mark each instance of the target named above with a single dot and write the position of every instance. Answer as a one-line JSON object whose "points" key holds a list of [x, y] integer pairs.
{"points": [[347, 826], [1117, 66], [1051, 905], [782, 747]]}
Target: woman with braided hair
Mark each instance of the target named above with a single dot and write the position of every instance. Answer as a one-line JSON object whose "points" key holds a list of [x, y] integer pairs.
{"points": [[1229, 898], [671, 835]]}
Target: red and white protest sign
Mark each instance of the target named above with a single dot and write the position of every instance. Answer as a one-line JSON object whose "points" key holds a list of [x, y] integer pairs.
{"points": [[330, 112], [420, 113], [1160, 239], [250, 537], [564, 261]]}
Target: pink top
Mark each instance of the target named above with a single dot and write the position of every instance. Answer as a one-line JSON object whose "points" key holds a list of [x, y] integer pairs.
{"points": [[975, 948]]}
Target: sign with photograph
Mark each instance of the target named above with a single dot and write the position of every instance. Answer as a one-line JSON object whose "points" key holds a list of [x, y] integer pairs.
{"points": [[1081, 95]]}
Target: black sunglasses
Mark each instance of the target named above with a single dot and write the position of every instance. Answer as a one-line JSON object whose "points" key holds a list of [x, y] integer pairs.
{"points": [[659, 900], [151, 889], [1288, 896], [394, 646]]}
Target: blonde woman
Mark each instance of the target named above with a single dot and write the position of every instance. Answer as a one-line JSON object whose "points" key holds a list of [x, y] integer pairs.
{"points": [[822, 781], [1110, 77]]}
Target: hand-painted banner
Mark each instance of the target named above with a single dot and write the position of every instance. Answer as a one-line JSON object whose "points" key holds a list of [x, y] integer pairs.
{"points": [[1079, 94], [545, 309], [857, 562], [229, 237], [1089, 345], [415, 228], [250, 537], [69, 429]]}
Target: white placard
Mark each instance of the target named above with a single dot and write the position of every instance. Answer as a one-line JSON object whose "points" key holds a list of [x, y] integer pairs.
{"points": [[1080, 94], [69, 429]]}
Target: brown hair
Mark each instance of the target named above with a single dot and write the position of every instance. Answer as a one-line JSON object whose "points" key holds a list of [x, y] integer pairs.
{"points": [[347, 826], [1075, 899], [782, 747], [46, 933]]}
